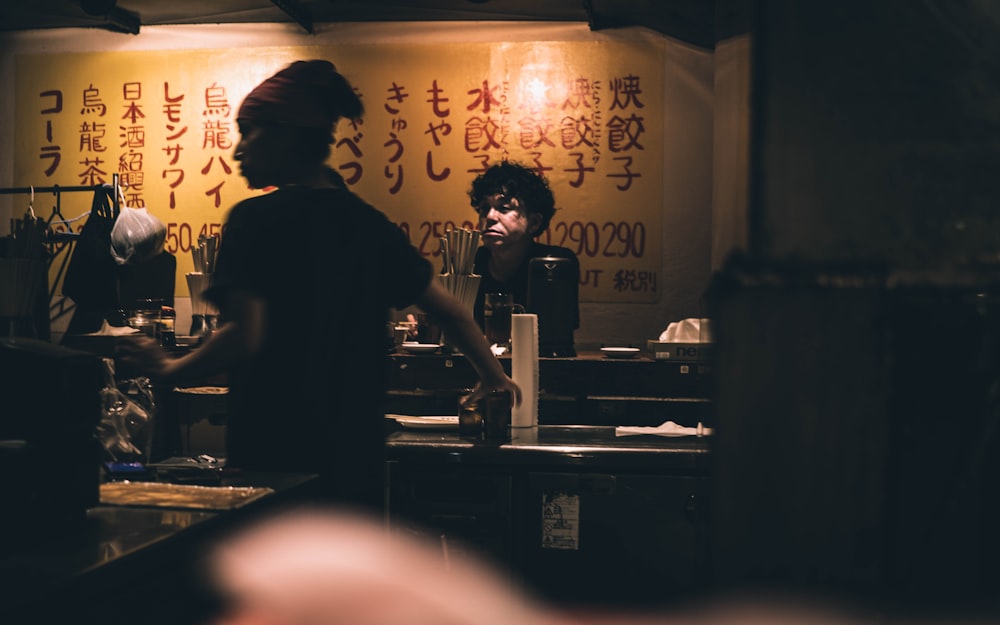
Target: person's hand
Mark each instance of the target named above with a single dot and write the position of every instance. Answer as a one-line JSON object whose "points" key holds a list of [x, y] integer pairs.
{"points": [[504, 385], [143, 354], [412, 327]]}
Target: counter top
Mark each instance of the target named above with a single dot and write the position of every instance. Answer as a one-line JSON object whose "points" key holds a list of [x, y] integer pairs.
{"points": [[114, 559], [579, 446]]}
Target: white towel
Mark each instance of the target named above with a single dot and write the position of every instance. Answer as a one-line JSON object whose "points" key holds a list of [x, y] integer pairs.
{"points": [[688, 331], [667, 428]]}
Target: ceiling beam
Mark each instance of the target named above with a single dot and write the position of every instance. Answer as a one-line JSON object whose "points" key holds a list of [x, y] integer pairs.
{"points": [[123, 21], [297, 12]]}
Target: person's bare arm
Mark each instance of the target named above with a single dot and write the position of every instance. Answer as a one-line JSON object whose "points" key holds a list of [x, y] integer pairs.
{"points": [[464, 333], [239, 337]]}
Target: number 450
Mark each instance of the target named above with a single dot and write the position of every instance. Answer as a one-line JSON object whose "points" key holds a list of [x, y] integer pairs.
{"points": [[180, 236]]}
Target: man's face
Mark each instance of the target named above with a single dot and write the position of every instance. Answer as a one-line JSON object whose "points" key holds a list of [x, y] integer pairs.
{"points": [[504, 221], [264, 154]]}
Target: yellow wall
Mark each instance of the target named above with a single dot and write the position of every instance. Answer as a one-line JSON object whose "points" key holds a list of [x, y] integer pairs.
{"points": [[620, 119]]}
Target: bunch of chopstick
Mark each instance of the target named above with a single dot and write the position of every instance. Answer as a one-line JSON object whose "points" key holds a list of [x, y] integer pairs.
{"points": [[203, 254], [458, 250], [463, 286]]}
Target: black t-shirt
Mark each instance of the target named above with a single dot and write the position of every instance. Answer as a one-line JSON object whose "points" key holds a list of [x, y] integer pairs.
{"points": [[518, 283], [330, 267]]}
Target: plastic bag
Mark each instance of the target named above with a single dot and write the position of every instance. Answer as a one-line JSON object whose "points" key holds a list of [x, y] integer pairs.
{"points": [[137, 236], [127, 408]]}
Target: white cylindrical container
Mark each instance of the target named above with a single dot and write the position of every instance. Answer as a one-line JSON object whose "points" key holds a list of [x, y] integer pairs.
{"points": [[524, 368]]}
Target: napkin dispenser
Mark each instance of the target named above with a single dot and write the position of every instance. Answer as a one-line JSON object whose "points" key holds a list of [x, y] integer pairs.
{"points": [[552, 295]]}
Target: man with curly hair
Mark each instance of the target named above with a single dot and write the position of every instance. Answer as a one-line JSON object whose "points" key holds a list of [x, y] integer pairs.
{"points": [[515, 206]]}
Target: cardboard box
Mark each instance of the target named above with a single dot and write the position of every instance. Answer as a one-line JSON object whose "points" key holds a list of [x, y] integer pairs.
{"points": [[690, 352]]}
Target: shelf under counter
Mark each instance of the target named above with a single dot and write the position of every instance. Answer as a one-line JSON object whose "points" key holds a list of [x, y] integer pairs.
{"points": [[588, 389], [586, 373]]}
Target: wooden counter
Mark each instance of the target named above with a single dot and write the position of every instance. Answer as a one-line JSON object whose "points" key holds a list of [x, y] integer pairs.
{"points": [[633, 510], [123, 564]]}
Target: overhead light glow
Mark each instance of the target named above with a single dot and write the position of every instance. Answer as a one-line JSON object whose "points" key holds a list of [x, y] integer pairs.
{"points": [[535, 91]]}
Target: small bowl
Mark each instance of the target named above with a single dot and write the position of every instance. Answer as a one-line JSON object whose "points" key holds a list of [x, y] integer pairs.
{"points": [[620, 352]]}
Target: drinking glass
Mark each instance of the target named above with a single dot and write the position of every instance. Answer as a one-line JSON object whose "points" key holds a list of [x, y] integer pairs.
{"points": [[497, 311]]}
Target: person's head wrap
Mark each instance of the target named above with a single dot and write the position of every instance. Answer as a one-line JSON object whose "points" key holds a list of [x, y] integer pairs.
{"points": [[310, 94]]}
